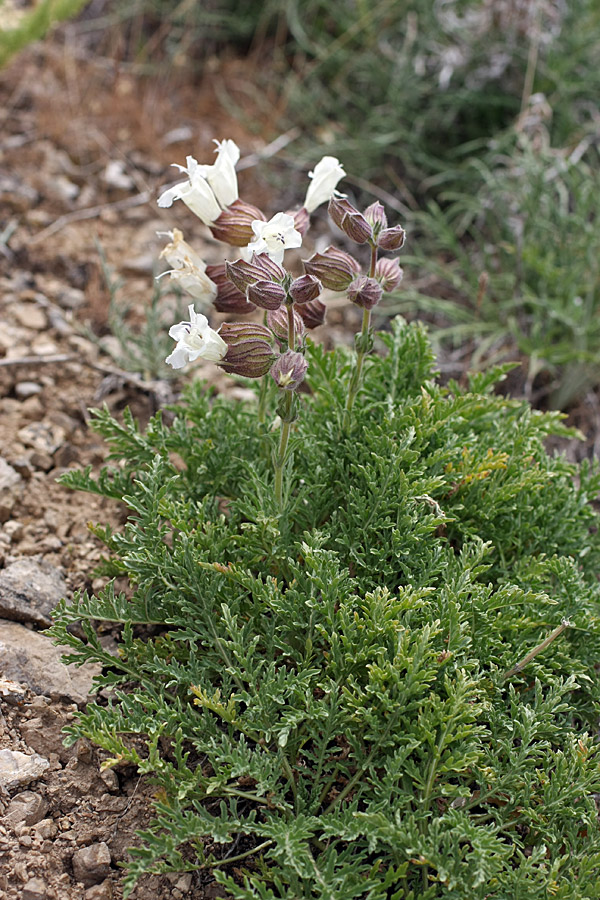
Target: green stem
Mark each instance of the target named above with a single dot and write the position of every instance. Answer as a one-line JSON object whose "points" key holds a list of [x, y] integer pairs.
{"points": [[282, 452], [355, 379], [262, 400], [231, 859]]}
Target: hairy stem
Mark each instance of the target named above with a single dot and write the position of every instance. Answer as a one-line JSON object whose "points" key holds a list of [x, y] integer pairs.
{"points": [[355, 379]]}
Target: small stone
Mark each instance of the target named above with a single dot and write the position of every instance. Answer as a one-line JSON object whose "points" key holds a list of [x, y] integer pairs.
{"points": [[115, 176], [25, 389], [34, 889], [184, 883], [22, 465], [41, 461], [32, 408], [42, 436], [11, 692], [25, 840], [17, 769], [13, 530], [71, 298], [102, 891], [46, 829], [28, 808], [9, 477], [110, 779], [30, 315], [91, 865], [29, 590]]}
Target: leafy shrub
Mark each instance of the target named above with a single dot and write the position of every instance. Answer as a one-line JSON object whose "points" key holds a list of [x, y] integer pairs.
{"points": [[354, 697], [531, 231]]}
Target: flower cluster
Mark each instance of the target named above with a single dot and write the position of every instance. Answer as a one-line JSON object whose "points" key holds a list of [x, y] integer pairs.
{"points": [[258, 280]]}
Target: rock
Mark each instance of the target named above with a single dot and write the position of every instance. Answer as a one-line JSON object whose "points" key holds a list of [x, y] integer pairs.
{"points": [[9, 477], [91, 865], [102, 891], [42, 436], [115, 176], [25, 389], [29, 315], [29, 590], [27, 807], [32, 658], [46, 829], [11, 692], [17, 769], [35, 889]]}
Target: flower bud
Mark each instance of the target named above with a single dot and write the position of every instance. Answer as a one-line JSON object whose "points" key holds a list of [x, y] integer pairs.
{"points": [[234, 332], [391, 238], [376, 217], [350, 220], [389, 274], [301, 219], [312, 313], [305, 288], [260, 268], [365, 292], [267, 294], [334, 268], [234, 225], [277, 320], [251, 358], [289, 370], [228, 299]]}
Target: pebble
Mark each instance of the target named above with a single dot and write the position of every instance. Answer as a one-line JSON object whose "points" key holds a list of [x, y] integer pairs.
{"points": [[18, 769], [102, 891], [46, 829], [32, 659], [34, 889], [9, 477], [42, 436], [115, 176], [11, 692], [30, 315], [91, 865], [25, 389], [30, 588], [28, 808]]}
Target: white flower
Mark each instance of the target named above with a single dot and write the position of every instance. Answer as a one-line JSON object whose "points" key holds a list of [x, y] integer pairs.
{"points": [[195, 340], [178, 253], [209, 189], [325, 177], [275, 236], [189, 269]]}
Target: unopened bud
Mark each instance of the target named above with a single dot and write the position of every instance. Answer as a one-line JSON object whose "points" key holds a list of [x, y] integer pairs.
{"points": [[365, 292], [389, 274], [334, 268], [234, 225], [267, 294], [234, 332], [251, 358], [289, 370], [305, 288], [277, 320], [260, 268], [313, 313], [376, 217], [229, 299], [301, 219], [391, 238], [350, 220]]}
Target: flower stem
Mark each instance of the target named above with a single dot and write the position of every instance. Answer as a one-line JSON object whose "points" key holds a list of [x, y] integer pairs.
{"points": [[283, 443], [363, 349]]}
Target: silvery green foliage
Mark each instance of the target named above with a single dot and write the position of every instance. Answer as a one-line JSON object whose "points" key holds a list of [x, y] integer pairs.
{"points": [[321, 696]]}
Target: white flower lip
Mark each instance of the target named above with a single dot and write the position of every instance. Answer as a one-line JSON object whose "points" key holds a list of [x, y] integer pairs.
{"points": [[188, 268], [209, 189], [275, 236], [325, 177], [195, 340]]}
